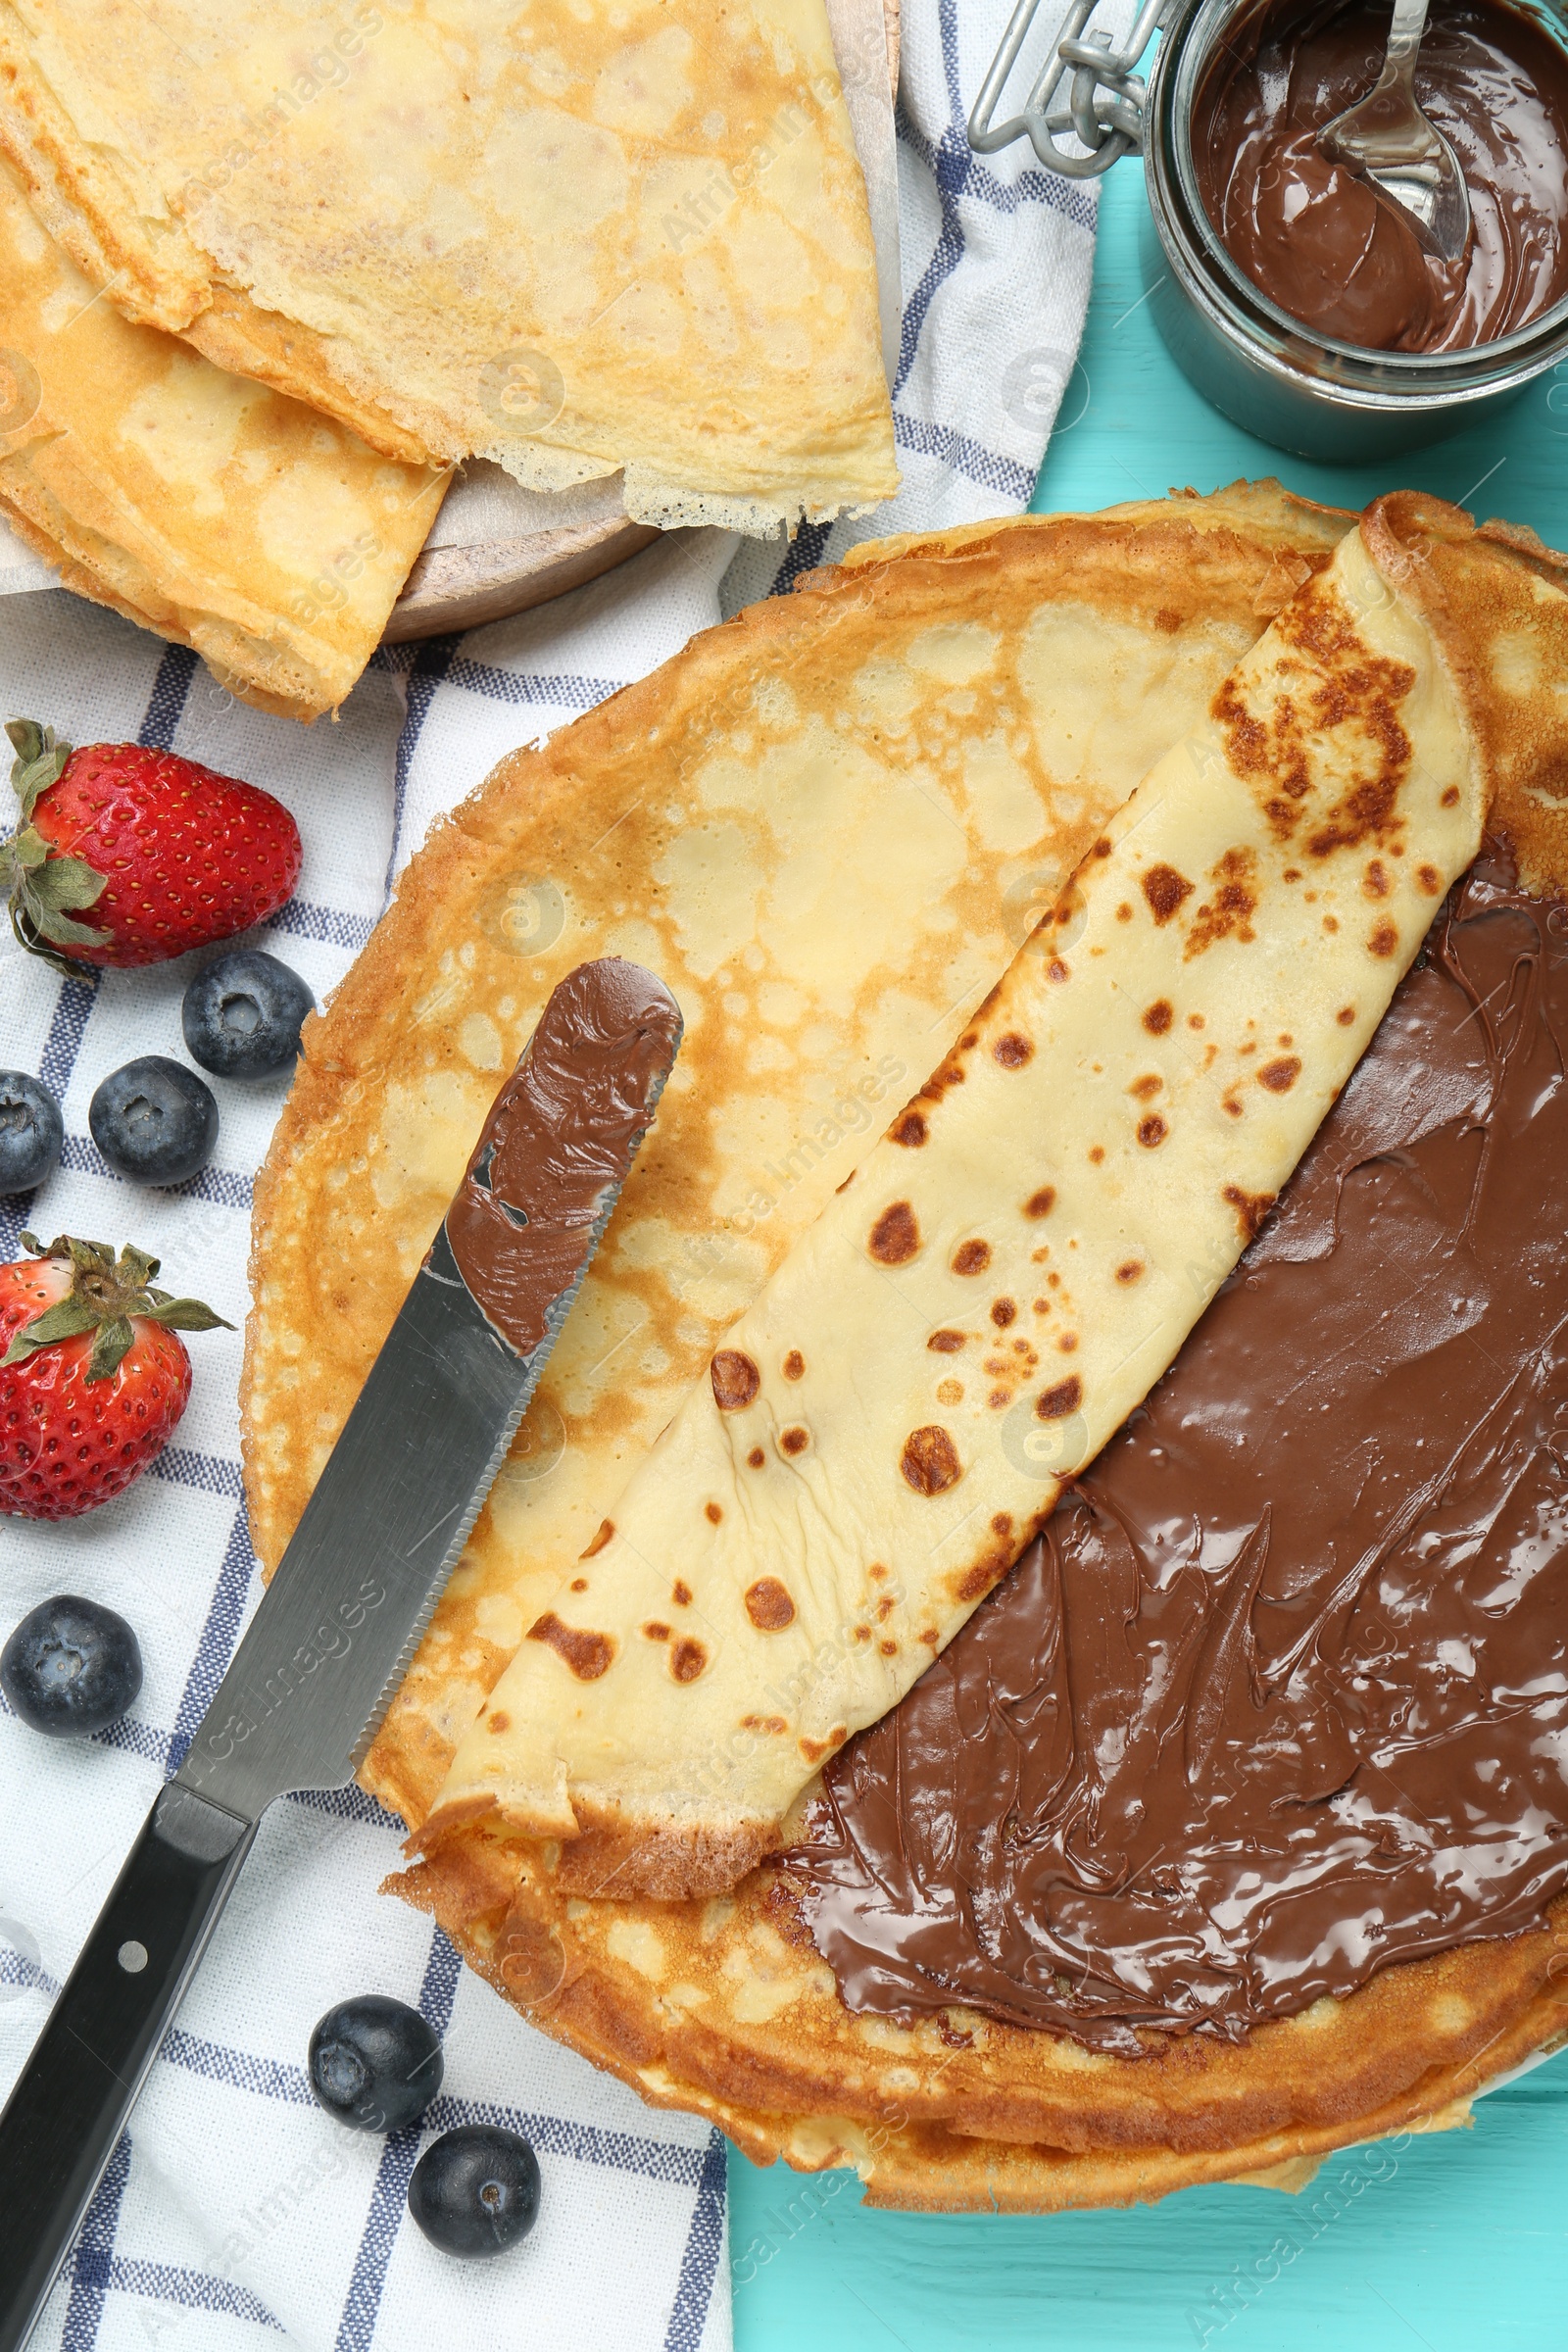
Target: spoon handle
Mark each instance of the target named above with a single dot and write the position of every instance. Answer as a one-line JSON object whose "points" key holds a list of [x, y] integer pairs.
{"points": [[1405, 41]]}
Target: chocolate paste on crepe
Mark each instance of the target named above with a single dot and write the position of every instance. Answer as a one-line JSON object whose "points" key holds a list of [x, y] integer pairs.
{"points": [[1333, 248], [1280, 1696], [561, 1136], [717, 2006], [780, 1569]]}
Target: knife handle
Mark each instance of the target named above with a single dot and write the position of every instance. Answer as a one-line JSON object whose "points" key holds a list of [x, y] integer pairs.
{"points": [[62, 2121]]}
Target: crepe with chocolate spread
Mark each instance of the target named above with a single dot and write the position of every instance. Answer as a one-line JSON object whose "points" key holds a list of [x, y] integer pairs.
{"points": [[828, 826], [1009, 1271], [1348, 1670], [578, 242], [212, 510]]}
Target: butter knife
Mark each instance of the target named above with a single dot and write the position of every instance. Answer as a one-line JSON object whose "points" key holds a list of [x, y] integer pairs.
{"points": [[331, 1640]]}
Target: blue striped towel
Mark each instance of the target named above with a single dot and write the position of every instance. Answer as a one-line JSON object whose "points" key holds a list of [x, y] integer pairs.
{"points": [[235, 2212]]}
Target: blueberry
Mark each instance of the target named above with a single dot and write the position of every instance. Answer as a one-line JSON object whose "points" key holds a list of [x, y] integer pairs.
{"points": [[475, 2191], [31, 1131], [70, 1668], [375, 2063], [242, 1015], [154, 1121]]}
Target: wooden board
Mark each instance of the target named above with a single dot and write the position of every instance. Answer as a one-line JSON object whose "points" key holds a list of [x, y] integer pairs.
{"points": [[461, 587]]}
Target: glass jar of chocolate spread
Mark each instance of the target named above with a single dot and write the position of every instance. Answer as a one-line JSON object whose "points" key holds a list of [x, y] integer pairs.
{"points": [[1298, 297]]}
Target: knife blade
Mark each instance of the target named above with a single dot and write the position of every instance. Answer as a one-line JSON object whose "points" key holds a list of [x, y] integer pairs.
{"points": [[328, 1646]]}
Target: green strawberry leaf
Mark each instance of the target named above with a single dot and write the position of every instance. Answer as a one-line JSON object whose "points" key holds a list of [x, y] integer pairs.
{"points": [[66, 882], [186, 1314], [26, 850], [93, 1258], [39, 763], [61, 932], [41, 888], [67, 1319], [110, 1348], [38, 931]]}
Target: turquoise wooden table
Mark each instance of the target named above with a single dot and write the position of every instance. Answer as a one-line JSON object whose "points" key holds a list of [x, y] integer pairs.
{"points": [[1458, 2242]]}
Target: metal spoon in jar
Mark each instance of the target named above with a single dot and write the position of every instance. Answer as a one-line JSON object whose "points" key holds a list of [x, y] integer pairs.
{"points": [[1387, 136]]}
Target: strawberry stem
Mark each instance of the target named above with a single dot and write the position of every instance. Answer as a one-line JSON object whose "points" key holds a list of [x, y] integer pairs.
{"points": [[105, 1294], [40, 761], [44, 888]]}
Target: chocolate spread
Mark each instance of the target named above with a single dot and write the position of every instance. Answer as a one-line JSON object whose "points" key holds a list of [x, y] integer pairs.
{"points": [[1281, 1695], [557, 1146], [1334, 249]]}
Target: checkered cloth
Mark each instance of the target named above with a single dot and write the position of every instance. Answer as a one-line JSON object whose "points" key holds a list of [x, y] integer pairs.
{"points": [[234, 2211]]}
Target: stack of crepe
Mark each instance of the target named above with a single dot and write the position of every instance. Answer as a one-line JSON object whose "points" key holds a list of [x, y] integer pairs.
{"points": [[1030, 892], [263, 284], [210, 509]]}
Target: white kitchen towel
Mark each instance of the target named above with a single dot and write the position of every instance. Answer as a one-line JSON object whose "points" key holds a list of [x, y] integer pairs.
{"points": [[236, 2213], [995, 258], [236, 2210]]}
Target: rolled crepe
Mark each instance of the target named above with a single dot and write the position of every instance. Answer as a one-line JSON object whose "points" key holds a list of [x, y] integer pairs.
{"points": [[583, 240], [1011, 1268], [212, 510]]}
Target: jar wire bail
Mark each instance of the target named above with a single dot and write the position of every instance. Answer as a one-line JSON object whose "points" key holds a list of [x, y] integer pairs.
{"points": [[1104, 110]]}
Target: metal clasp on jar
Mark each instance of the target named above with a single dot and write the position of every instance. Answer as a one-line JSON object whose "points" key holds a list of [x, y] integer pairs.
{"points": [[1104, 108]]}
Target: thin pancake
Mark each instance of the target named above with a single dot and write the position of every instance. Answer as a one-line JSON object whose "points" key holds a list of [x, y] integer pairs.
{"points": [[829, 825], [218, 514], [1010, 1271], [603, 237], [716, 2009], [721, 2007]]}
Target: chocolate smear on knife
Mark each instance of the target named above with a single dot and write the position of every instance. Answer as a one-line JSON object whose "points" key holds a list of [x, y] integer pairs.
{"points": [[559, 1141]]}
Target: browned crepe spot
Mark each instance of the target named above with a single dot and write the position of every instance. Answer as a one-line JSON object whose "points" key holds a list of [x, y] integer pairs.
{"points": [[1250, 1207], [1056, 1404], [768, 1605], [588, 1654], [736, 1379], [1167, 892], [894, 1237], [930, 1460]]}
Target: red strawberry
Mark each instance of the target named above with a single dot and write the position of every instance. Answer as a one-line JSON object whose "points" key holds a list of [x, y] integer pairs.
{"points": [[93, 1379], [167, 853]]}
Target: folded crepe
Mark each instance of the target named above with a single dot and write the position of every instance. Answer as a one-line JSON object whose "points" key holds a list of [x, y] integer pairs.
{"points": [[724, 2006], [828, 826], [212, 510], [597, 240]]}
